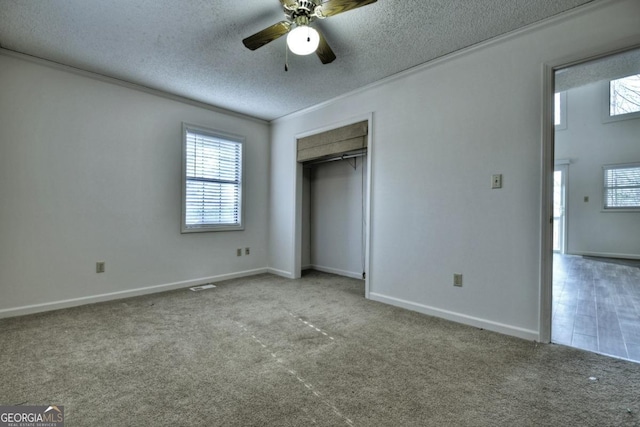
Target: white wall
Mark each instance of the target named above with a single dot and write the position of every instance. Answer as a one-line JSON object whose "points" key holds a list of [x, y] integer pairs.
{"points": [[91, 171], [333, 208], [591, 143], [439, 133]]}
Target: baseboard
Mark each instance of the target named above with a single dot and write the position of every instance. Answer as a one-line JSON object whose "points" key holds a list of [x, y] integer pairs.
{"points": [[336, 271], [526, 334], [57, 305], [280, 273], [606, 255]]}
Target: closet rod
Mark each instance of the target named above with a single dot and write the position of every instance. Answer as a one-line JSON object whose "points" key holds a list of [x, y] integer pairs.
{"points": [[334, 159]]}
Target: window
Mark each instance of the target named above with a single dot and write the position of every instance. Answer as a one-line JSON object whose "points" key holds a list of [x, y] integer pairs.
{"points": [[623, 98], [560, 110], [622, 186], [212, 180]]}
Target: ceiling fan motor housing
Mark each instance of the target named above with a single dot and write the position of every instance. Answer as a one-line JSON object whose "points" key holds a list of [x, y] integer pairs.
{"points": [[306, 5], [305, 11]]}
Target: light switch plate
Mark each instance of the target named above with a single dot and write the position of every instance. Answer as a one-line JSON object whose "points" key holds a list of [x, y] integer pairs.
{"points": [[496, 181]]}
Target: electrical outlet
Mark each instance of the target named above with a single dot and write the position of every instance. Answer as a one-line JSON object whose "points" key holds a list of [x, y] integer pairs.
{"points": [[496, 181], [239, 252], [247, 251], [100, 267], [457, 279]]}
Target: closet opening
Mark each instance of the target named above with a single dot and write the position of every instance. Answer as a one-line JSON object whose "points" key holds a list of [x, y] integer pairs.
{"points": [[334, 205], [333, 191]]}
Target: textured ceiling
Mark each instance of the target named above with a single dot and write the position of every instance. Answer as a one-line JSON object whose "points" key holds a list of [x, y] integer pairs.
{"points": [[607, 68], [193, 48]]}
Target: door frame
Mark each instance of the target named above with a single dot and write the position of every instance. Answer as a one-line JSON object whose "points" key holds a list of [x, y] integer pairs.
{"points": [[548, 166], [298, 185]]}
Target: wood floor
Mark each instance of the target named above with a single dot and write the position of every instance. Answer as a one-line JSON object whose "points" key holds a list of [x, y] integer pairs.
{"points": [[596, 305]]}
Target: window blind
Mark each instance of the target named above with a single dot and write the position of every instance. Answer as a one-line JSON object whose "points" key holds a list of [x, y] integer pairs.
{"points": [[622, 186], [213, 181]]}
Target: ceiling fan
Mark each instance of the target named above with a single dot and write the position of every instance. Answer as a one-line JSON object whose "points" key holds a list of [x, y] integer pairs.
{"points": [[302, 39]]}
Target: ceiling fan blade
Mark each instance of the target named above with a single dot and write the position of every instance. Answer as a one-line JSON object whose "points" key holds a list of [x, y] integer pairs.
{"points": [[323, 51], [334, 7], [286, 3], [267, 35]]}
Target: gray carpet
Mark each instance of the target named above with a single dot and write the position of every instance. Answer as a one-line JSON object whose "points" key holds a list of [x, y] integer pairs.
{"points": [[267, 351]]}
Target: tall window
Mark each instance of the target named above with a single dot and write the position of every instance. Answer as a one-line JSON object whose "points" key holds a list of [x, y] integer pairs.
{"points": [[622, 186], [212, 181], [624, 97], [560, 110]]}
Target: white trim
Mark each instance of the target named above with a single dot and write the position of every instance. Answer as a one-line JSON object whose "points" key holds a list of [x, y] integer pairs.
{"points": [[606, 254], [546, 204], [297, 212], [561, 17], [334, 125], [335, 271], [127, 84], [367, 209], [526, 334], [280, 273], [74, 302]]}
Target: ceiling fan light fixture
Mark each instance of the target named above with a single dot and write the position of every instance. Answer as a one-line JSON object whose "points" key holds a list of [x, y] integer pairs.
{"points": [[303, 40]]}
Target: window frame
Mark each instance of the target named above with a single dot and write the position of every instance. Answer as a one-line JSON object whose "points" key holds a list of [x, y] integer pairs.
{"points": [[213, 133], [606, 168], [606, 104]]}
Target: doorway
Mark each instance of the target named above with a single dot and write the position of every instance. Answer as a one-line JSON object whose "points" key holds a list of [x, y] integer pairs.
{"points": [[334, 201], [363, 171], [595, 242]]}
